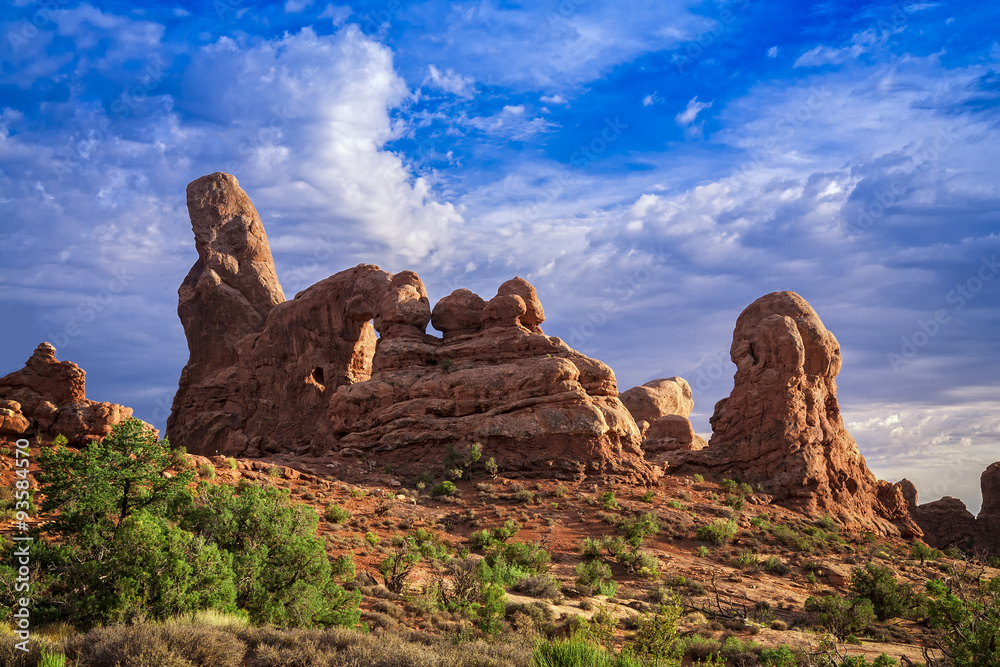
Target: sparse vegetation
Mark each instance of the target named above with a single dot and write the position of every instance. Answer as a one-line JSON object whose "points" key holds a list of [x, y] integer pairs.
{"points": [[718, 532]]}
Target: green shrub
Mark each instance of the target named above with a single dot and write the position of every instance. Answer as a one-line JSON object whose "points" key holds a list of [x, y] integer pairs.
{"points": [[445, 488], [970, 618], [921, 551], [842, 617], [698, 478], [736, 502], [889, 599], [608, 500], [746, 559], [781, 656], [775, 566], [728, 486], [597, 575], [718, 532], [336, 514], [648, 497], [538, 586]]}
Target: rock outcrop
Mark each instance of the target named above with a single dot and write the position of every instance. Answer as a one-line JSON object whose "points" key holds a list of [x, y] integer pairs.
{"points": [[661, 409], [48, 397], [309, 376], [781, 427], [947, 522]]}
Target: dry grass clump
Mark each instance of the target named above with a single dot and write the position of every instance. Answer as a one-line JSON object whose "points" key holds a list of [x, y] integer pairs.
{"points": [[180, 644]]}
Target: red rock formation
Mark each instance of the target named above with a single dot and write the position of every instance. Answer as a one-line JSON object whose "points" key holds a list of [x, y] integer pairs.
{"points": [[946, 522], [781, 426], [661, 409], [988, 519], [48, 397], [306, 376]]}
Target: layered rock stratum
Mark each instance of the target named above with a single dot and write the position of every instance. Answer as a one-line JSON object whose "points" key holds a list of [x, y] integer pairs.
{"points": [[310, 376], [781, 429]]}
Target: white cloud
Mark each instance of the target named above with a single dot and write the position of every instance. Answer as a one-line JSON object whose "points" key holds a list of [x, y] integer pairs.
{"points": [[297, 6], [651, 99], [772, 52], [694, 107], [553, 99], [861, 43], [338, 14], [450, 82]]}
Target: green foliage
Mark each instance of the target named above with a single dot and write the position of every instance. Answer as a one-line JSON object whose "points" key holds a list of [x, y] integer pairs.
{"points": [[639, 528], [336, 514], [737, 502], [746, 559], [608, 500], [718, 532], [445, 488], [782, 656], [775, 566], [284, 575], [206, 470], [971, 621], [703, 551], [591, 548], [574, 651], [676, 504], [728, 486], [459, 463], [697, 477], [597, 575], [656, 638], [876, 583], [921, 551], [491, 467], [648, 497], [372, 538], [51, 659], [490, 537], [98, 488], [841, 616]]}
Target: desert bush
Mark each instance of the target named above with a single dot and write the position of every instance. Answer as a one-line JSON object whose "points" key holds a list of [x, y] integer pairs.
{"points": [[842, 617], [336, 514], [970, 618], [596, 575], [718, 532], [746, 559], [539, 586], [445, 488], [889, 599], [608, 501], [775, 566]]}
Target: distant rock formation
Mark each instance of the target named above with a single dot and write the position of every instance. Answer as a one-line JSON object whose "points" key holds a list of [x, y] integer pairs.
{"points": [[947, 522], [781, 428], [661, 409], [48, 397], [309, 376]]}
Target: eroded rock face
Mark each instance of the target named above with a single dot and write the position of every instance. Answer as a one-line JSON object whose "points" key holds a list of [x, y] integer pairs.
{"points": [[781, 426], [307, 376], [949, 523], [48, 397], [667, 396]]}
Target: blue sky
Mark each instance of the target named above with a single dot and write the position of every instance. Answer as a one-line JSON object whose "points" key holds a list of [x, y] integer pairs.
{"points": [[651, 168]]}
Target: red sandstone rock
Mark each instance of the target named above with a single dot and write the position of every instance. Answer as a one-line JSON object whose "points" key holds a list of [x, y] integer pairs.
{"points": [[458, 314], [50, 399], [671, 433], [306, 376], [534, 314], [946, 523], [12, 422], [781, 426], [656, 398]]}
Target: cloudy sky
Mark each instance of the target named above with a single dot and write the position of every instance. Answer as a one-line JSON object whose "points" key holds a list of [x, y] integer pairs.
{"points": [[651, 167]]}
